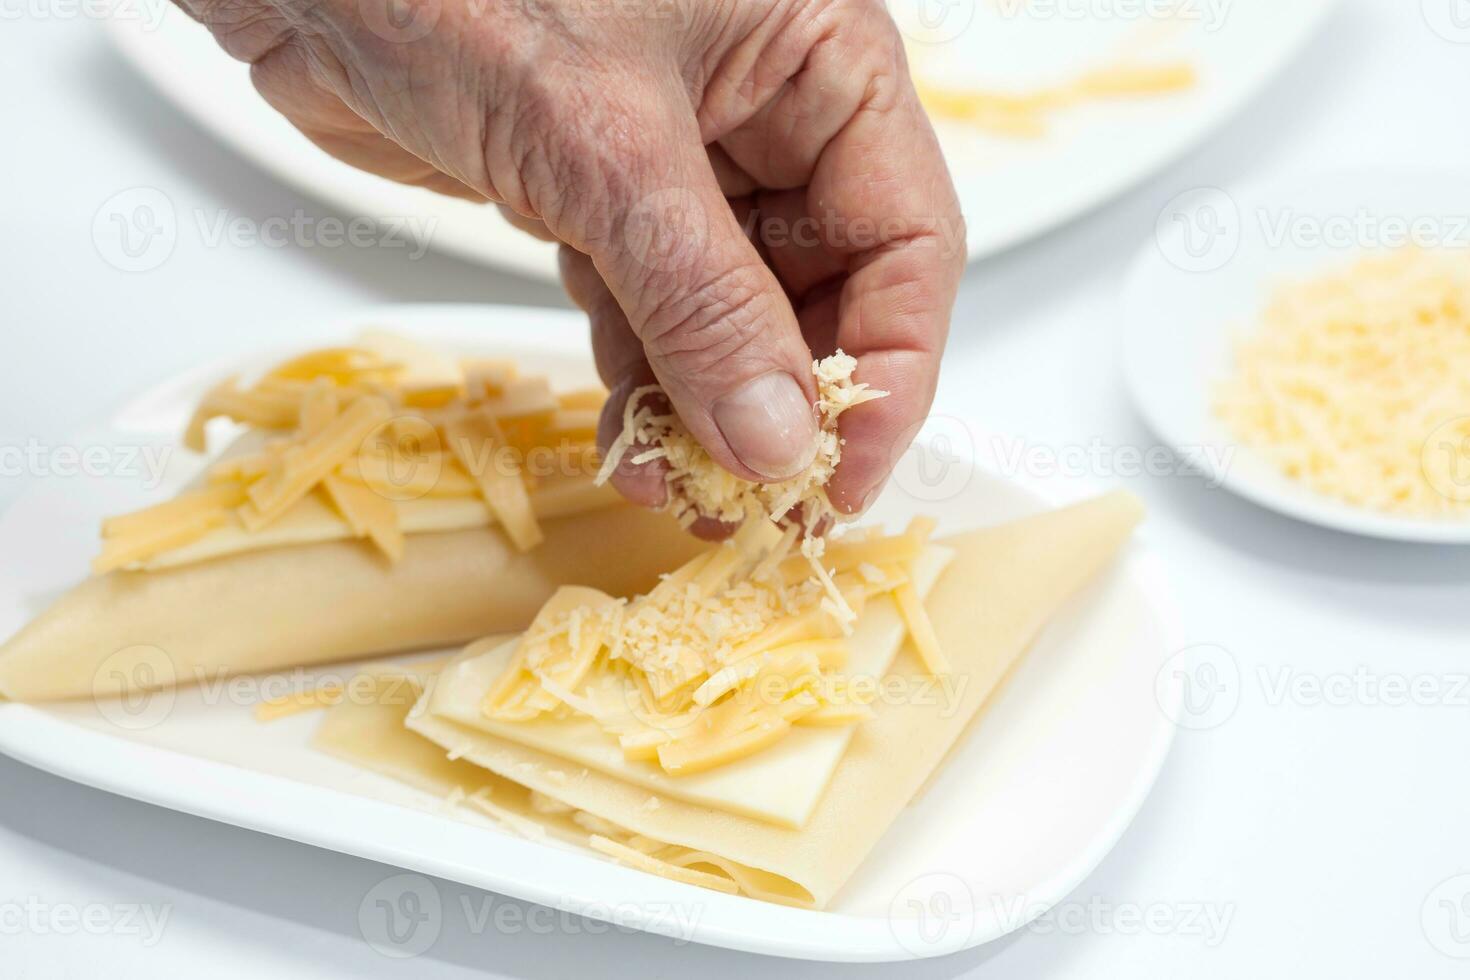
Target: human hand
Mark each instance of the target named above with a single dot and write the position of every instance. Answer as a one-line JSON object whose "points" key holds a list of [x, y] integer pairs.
{"points": [[738, 186]]}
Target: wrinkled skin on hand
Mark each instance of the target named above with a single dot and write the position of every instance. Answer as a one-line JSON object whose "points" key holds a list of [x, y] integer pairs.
{"points": [[737, 186]]}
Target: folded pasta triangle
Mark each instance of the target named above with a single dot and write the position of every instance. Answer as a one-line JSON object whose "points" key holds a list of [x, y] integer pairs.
{"points": [[314, 603], [1001, 588]]}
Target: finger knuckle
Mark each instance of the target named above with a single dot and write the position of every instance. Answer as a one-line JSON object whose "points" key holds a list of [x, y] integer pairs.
{"points": [[700, 331]]}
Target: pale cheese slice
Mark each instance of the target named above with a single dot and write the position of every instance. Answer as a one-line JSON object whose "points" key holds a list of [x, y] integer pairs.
{"points": [[369, 731], [781, 784], [311, 520]]}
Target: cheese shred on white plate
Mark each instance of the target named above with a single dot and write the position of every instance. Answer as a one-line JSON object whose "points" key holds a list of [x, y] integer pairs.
{"points": [[1357, 383]]}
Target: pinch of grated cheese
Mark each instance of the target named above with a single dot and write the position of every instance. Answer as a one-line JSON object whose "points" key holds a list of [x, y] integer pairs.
{"points": [[700, 487], [1357, 383]]}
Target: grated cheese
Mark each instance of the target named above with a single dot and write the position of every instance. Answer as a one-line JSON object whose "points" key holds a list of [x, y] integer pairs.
{"points": [[718, 661], [1357, 383], [363, 429], [699, 487]]}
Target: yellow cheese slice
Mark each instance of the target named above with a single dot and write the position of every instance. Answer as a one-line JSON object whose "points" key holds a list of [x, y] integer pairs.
{"points": [[368, 513], [477, 441], [303, 466], [781, 784]]}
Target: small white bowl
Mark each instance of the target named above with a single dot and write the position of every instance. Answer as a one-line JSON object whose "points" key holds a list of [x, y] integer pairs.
{"points": [[1207, 272]]}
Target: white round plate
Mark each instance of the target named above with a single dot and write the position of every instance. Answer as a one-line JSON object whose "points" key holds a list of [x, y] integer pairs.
{"points": [[1210, 268], [1010, 190], [1024, 809]]}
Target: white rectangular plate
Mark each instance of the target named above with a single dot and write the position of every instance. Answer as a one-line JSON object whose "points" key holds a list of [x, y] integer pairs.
{"points": [[1025, 807]]}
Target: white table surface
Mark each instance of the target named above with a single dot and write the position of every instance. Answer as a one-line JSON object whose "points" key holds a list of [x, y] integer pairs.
{"points": [[1317, 829]]}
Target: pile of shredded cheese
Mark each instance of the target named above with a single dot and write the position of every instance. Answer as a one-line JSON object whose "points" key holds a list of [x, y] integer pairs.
{"points": [[1357, 383], [723, 657], [365, 427]]}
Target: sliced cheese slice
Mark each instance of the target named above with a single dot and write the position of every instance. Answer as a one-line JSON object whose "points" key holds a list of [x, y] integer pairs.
{"points": [[781, 784], [369, 731], [311, 520]]}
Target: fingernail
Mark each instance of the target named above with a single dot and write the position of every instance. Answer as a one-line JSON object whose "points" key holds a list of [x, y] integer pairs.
{"points": [[770, 425]]}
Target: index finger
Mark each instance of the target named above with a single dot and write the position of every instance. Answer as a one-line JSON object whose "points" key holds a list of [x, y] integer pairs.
{"points": [[884, 176]]}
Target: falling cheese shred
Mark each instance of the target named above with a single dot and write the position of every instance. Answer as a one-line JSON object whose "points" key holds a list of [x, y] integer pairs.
{"points": [[296, 702]]}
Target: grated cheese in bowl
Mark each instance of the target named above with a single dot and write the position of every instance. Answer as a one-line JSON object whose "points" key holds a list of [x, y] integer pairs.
{"points": [[1357, 383]]}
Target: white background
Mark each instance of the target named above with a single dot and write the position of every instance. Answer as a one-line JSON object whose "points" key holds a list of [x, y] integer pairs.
{"points": [[1319, 829]]}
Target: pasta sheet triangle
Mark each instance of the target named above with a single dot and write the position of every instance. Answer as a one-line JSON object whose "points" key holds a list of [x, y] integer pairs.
{"points": [[1002, 587]]}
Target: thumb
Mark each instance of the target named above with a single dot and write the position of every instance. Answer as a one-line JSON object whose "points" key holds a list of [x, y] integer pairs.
{"points": [[714, 323]]}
